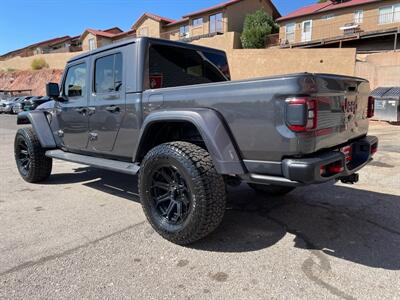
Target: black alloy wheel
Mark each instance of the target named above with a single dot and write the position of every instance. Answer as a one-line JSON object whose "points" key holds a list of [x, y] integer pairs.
{"points": [[171, 197], [23, 157], [32, 163], [182, 194]]}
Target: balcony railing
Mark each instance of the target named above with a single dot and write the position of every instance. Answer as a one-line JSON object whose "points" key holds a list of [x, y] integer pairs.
{"points": [[338, 29], [195, 32]]}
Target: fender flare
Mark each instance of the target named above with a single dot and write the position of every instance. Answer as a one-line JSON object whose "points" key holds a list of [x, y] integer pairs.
{"points": [[40, 126], [212, 128]]}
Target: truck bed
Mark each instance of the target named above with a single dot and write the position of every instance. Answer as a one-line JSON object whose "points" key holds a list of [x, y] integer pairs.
{"points": [[254, 111]]}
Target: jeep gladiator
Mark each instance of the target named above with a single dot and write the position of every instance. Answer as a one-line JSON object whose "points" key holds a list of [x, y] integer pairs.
{"points": [[168, 112]]}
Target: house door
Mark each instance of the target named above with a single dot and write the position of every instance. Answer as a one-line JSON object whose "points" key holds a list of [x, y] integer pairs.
{"points": [[306, 31]]}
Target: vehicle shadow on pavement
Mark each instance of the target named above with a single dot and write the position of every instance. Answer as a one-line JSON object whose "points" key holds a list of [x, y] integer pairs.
{"points": [[117, 184], [355, 225]]}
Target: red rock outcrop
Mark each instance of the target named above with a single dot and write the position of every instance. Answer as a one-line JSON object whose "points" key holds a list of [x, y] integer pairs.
{"points": [[34, 80]]}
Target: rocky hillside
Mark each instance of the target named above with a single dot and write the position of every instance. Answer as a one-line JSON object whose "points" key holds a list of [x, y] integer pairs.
{"points": [[34, 80]]}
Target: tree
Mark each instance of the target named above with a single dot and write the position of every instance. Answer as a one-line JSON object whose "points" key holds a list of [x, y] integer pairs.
{"points": [[256, 28]]}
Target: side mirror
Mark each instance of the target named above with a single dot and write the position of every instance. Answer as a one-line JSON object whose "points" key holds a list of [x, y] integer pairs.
{"points": [[52, 90]]}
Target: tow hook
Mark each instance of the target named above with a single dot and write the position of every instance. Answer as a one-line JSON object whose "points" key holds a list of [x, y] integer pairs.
{"points": [[351, 179]]}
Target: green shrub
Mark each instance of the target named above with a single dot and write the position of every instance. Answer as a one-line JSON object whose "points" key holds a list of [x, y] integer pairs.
{"points": [[39, 63], [256, 28]]}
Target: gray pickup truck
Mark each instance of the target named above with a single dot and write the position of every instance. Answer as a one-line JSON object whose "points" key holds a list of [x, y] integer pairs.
{"points": [[168, 112]]}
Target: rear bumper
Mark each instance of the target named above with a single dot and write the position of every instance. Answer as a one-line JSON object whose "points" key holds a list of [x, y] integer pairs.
{"points": [[304, 171]]}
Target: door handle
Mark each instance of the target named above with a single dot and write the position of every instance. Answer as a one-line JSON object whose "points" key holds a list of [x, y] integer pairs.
{"points": [[81, 110], [112, 108]]}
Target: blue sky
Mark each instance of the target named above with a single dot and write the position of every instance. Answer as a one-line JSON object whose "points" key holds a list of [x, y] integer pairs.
{"points": [[24, 22]]}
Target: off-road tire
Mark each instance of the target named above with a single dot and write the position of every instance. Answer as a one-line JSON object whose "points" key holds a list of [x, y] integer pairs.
{"points": [[206, 186], [40, 165], [273, 190]]}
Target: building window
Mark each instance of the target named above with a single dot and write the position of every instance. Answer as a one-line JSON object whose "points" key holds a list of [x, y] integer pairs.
{"points": [[92, 44], [389, 14], [358, 16], [328, 17], [290, 32], [216, 23], [197, 22], [184, 31]]}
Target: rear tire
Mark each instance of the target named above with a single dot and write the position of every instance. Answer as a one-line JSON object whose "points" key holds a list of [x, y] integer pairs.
{"points": [[32, 163], [273, 190], [182, 194]]}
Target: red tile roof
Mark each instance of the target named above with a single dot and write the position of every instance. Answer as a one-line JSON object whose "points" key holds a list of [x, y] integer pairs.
{"points": [[177, 22], [154, 17], [323, 7], [108, 33], [159, 18], [225, 4], [49, 43], [98, 33], [115, 30]]}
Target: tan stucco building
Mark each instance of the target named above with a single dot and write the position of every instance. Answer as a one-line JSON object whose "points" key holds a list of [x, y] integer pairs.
{"points": [[219, 19], [92, 38], [339, 21]]}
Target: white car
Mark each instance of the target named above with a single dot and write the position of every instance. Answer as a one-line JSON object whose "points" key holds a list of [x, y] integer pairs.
{"points": [[7, 105]]}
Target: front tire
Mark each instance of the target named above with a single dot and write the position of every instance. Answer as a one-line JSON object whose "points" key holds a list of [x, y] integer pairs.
{"points": [[32, 163], [182, 194], [273, 190]]}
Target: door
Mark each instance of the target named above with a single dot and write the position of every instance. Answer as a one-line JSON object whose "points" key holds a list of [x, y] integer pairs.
{"points": [[306, 31], [71, 113], [107, 102]]}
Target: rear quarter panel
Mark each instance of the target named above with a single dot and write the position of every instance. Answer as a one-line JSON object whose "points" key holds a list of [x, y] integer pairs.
{"points": [[254, 111]]}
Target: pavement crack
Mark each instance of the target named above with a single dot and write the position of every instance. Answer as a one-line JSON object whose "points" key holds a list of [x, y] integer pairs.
{"points": [[309, 263], [67, 252], [308, 267]]}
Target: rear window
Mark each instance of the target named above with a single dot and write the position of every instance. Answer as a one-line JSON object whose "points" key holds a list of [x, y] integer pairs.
{"points": [[170, 66]]}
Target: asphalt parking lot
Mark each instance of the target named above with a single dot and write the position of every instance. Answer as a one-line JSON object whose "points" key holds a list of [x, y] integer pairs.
{"points": [[82, 234]]}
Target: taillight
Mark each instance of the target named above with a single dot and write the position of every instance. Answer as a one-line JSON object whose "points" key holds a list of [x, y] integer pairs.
{"points": [[301, 114], [331, 169], [371, 107], [348, 153], [374, 148]]}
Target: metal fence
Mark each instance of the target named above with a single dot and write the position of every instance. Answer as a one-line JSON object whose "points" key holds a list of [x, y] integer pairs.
{"points": [[188, 32], [315, 29]]}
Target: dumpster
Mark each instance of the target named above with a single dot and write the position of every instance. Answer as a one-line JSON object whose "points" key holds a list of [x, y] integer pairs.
{"points": [[387, 104]]}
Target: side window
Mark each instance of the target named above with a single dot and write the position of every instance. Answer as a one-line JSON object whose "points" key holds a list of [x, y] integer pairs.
{"points": [[75, 82], [108, 74], [177, 66]]}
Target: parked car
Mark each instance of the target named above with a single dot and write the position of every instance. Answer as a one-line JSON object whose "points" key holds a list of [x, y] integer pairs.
{"points": [[18, 106], [34, 102], [7, 105], [169, 110]]}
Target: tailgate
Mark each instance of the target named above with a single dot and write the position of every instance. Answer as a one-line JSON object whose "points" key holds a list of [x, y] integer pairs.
{"points": [[341, 110]]}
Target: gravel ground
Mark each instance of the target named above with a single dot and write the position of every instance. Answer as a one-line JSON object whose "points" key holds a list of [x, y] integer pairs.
{"points": [[82, 234]]}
